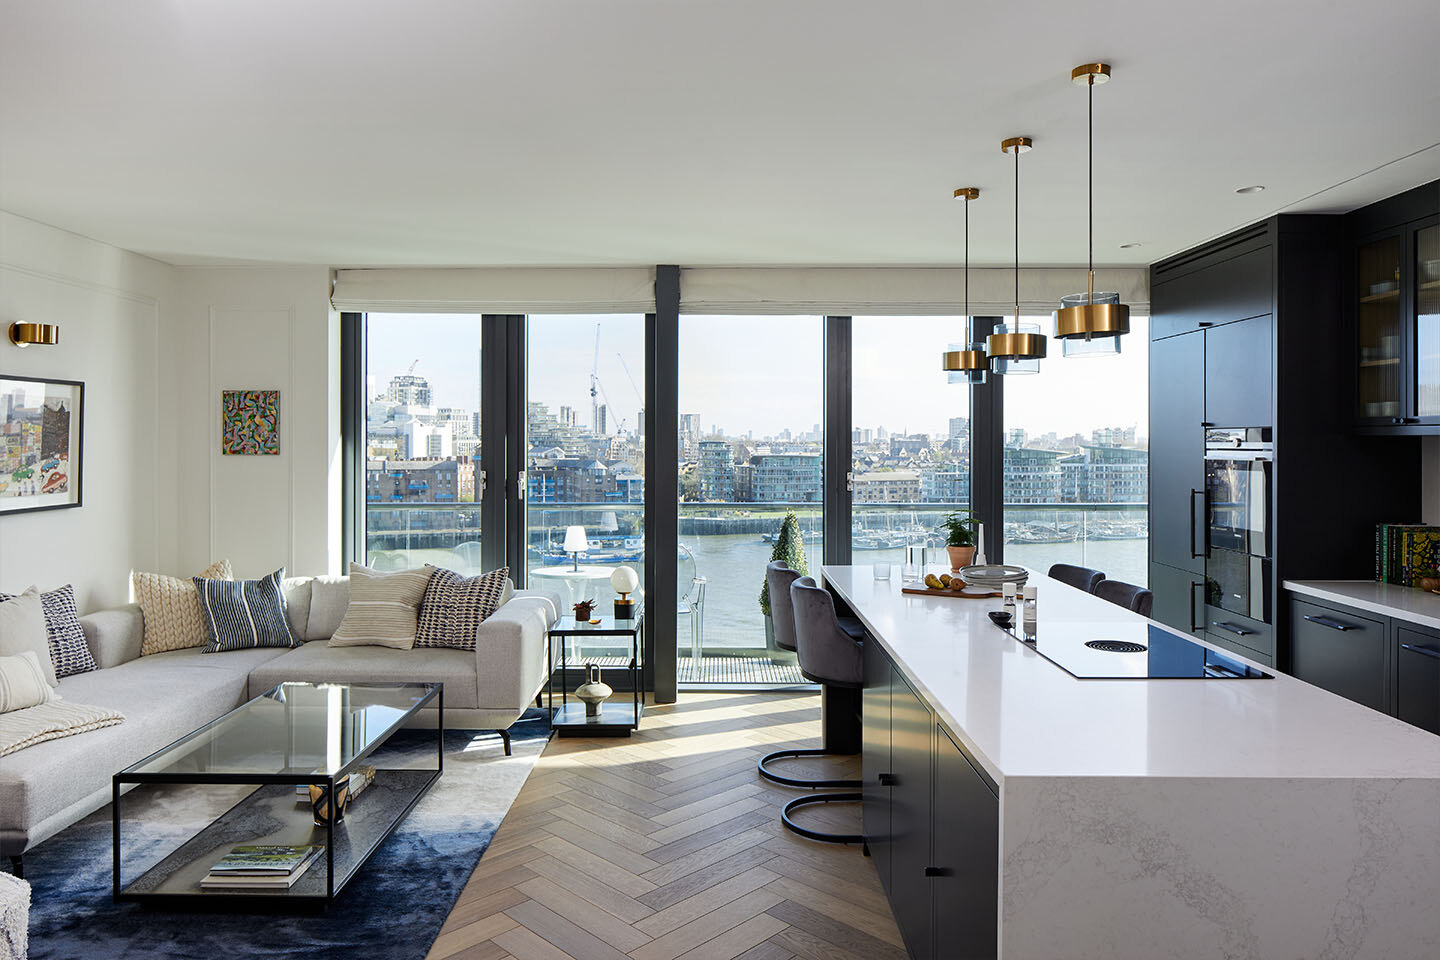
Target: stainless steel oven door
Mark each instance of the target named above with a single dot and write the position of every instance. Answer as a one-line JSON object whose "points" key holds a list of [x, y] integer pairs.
{"points": [[1237, 502]]}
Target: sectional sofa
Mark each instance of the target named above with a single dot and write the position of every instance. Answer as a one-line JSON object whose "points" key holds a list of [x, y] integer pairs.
{"points": [[164, 696]]}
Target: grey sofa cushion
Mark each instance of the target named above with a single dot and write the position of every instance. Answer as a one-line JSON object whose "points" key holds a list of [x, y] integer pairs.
{"points": [[329, 596], [114, 636], [297, 603], [318, 662], [163, 697]]}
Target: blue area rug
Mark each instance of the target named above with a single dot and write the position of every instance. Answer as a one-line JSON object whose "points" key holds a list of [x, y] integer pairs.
{"points": [[393, 908]]}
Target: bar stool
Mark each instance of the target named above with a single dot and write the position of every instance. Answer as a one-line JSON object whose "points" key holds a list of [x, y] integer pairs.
{"points": [[1126, 595], [1081, 578], [831, 657], [779, 577]]}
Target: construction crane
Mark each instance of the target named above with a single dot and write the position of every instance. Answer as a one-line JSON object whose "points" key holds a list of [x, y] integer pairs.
{"points": [[633, 385], [595, 384], [411, 371]]}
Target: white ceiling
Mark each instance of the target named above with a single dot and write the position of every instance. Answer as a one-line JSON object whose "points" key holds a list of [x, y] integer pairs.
{"points": [[366, 132]]}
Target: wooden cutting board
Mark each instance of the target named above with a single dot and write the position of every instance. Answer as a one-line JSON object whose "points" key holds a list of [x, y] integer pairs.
{"points": [[919, 590]]}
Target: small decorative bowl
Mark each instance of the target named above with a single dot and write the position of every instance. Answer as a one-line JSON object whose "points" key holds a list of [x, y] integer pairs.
{"points": [[1001, 618]]}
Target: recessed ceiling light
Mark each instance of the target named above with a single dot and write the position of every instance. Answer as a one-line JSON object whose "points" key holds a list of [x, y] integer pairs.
{"points": [[1253, 188], [1128, 246]]}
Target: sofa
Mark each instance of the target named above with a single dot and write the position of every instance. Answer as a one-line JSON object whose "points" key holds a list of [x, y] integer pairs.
{"points": [[164, 696]]}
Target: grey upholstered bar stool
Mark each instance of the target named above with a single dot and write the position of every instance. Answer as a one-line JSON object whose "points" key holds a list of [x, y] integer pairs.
{"points": [[779, 577], [1126, 595], [831, 657], [1081, 578]]}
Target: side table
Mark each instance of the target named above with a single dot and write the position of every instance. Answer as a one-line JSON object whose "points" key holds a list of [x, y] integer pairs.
{"points": [[617, 717]]}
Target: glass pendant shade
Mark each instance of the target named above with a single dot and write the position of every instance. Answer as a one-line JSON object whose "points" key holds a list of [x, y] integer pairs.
{"points": [[1091, 324], [1016, 347], [966, 363]]}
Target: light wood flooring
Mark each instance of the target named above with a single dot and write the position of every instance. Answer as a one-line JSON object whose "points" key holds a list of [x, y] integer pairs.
{"points": [[668, 846]]}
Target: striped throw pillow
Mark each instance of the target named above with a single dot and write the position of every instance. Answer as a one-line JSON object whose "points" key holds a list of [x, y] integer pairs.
{"points": [[384, 608], [245, 614], [69, 653], [455, 605]]}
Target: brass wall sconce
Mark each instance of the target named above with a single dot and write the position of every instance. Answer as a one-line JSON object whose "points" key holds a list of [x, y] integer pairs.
{"points": [[24, 334]]}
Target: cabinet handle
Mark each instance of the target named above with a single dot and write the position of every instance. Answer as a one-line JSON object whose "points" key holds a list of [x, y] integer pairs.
{"points": [[1409, 419], [938, 872], [1206, 423], [1232, 628], [1328, 622], [1423, 651], [1193, 625], [888, 780], [1193, 495], [1204, 323]]}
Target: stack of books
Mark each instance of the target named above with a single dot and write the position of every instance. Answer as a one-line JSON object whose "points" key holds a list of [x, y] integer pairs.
{"points": [[261, 867], [1405, 552]]}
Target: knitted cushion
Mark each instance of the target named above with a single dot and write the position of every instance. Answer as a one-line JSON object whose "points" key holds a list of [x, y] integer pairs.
{"points": [[14, 916], [69, 652], [244, 614], [384, 608], [455, 605], [173, 618]]}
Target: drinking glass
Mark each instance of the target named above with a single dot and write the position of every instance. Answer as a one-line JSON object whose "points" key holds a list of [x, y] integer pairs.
{"points": [[914, 561], [882, 571]]}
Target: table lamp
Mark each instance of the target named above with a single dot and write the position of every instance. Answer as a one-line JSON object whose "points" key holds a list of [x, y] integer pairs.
{"points": [[624, 580], [575, 544]]}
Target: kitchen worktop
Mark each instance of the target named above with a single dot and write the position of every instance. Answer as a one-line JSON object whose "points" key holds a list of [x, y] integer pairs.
{"points": [[1387, 599]]}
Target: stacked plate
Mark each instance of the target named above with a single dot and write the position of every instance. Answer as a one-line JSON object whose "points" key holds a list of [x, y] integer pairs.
{"points": [[994, 576]]}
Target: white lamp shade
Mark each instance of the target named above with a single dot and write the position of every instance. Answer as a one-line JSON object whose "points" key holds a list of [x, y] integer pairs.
{"points": [[624, 579], [575, 541]]}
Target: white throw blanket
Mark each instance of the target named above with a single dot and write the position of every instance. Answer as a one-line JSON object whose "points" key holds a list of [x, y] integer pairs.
{"points": [[51, 720]]}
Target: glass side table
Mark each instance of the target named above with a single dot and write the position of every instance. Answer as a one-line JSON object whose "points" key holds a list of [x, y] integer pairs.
{"points": [[568, 643]]}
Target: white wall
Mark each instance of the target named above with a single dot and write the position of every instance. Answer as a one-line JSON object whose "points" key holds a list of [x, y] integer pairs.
{"points": [[109, 305], [257, 328]]}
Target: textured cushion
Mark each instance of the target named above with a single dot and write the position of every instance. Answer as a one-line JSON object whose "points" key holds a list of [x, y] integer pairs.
{"points": [[329, 596], [22, 628], [384, 608], [319, 662], [455, 605], [68, 651], [244, 614], [297, 603], [22, 682], [173, 618]]}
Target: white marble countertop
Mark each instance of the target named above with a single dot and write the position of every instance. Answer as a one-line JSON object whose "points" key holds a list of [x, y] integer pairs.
{"points": [[1023, 716], [1387, 599]]}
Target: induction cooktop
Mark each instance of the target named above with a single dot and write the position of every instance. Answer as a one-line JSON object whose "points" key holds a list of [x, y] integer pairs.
{"points": [[1131, 651]]}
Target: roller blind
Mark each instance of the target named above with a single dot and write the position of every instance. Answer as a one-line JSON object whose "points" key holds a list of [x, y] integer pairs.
{"points": [[496, 290]]}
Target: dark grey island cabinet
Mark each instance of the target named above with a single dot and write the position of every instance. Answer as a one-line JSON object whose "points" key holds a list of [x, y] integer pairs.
{"points": [[931, 822]]}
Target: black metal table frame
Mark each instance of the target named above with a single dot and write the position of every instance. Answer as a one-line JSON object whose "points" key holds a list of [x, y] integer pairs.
{"points": [[214, 898], [635, 631]]}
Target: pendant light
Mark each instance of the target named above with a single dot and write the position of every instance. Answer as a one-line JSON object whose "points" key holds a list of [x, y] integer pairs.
{"points": [[1091, 324], [1016, 346], [967, 362]]}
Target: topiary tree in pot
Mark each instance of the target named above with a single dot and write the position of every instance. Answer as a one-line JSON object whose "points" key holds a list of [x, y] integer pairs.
{"points": [[790, 550]]}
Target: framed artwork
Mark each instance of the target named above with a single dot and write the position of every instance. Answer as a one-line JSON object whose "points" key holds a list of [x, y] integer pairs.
{"points": [[41, 441], [250, 422]]}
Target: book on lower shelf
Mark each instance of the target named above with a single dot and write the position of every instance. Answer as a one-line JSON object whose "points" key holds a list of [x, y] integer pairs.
{"points": [[261, 866]]}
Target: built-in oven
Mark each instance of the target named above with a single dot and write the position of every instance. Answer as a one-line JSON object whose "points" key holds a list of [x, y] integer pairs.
{"points": [[1238, 520]]}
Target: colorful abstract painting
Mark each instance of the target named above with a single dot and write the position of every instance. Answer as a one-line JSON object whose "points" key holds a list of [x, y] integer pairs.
{"points": [[40, 443], [250, 422]]}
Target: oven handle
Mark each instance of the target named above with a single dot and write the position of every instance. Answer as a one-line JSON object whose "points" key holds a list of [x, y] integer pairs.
{"points": [[1328, 622], [1423, 651], [1232, 628], [1205, 551]]}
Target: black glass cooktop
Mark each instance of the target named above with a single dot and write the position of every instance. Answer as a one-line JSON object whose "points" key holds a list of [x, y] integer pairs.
{"points": [[1132, 651]]}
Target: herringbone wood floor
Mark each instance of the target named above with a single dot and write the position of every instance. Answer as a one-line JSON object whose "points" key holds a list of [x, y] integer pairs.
{"points": [[668, 845]]}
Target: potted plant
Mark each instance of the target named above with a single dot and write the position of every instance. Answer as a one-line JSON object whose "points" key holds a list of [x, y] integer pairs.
{"points": [[790, 550], [960, 538]]}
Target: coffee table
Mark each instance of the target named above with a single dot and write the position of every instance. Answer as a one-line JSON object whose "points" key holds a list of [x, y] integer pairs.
{"points": [[296, 733]]}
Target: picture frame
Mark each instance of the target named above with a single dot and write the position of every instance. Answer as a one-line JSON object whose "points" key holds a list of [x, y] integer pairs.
{"points": [[42, 444], [250, 422]]}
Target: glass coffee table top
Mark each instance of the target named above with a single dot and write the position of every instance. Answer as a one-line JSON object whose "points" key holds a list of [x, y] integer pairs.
{"points": [[296, 729]]}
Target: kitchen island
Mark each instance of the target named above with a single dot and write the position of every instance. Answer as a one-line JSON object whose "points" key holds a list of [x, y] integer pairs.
{"points": [[1016, 810]]}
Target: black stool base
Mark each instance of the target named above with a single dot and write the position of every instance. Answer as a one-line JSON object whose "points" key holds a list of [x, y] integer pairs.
{"points": [[785, 781], [815, 834]]}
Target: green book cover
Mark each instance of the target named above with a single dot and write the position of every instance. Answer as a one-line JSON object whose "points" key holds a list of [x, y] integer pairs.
{"points": [[264, 858]]}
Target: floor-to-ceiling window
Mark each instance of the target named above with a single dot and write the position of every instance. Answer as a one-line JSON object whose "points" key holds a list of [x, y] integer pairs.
{"points": [[1076, 460], [422, 439], [909, 435], [751, 453]]}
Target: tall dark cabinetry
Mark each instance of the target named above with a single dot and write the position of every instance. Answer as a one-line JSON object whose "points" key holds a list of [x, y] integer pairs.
{"points": [[1250, 331]]}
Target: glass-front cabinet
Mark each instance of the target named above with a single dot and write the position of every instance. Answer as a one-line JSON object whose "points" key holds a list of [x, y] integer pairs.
{"points": [[1381, 325], [1427, 322], [1397, 317]]}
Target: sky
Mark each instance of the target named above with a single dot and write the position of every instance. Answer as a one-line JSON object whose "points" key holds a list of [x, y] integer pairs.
{"points": [[764, 374]]}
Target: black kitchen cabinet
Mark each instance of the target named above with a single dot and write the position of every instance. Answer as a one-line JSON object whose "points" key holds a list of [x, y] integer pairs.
{"points": [[1417, 693], [1232, 285], [966, 856], [1177, 452], [876, 774], [1238, 363], [911, 749], [1342, 652], [1179, 597]]}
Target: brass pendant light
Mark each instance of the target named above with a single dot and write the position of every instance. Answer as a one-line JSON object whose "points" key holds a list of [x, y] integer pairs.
{"points": [[966, 362], [1016, 347], [1090, 323]]}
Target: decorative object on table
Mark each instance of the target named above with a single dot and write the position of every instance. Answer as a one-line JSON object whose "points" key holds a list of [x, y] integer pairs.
{"points": [[575, 544], [321, 805], [625, 581], [790, 550], [960, 539], [455, 605], [593, 691], [980, 544], [1002, 618], [261, 867], [250, 422], [41, 422], [14, 918], [245, 614], [944, 585], [173, 617], [361, 778], [69, 652], [994, 575], [24, 334], [583, 610]]}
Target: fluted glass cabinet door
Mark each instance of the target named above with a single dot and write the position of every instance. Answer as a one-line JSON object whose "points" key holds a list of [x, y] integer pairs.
{"points": [[1427, 322], [1379, 383]]}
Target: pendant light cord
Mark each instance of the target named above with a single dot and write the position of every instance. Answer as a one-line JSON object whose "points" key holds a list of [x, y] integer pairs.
{"points": [[969, 334], [1017, 239], [1090, 136]]}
